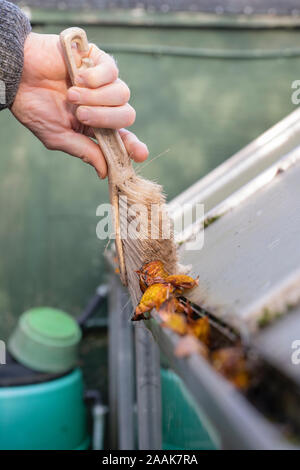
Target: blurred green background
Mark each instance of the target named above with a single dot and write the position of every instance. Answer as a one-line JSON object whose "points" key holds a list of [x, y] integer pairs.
{"points": [[194, 112]]}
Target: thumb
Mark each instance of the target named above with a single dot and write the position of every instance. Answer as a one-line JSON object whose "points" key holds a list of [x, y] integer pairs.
{"points": [[86, 149]]}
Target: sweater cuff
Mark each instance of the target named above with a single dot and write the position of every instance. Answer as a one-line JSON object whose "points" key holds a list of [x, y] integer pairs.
{"points": [[14, 28]]}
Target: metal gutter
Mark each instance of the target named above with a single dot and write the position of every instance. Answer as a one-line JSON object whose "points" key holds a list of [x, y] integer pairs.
{"points": [[250, 255], [239, 196], [279, 341], [238, 423]]}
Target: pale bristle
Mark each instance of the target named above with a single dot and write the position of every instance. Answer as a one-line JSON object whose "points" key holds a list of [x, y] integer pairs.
{"points": [[144, 248]]}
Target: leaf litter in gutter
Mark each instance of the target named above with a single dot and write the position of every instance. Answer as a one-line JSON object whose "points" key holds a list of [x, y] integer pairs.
{"points": [[163, 292]]}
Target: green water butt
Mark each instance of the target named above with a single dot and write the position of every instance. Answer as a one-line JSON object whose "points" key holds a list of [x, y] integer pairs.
{"points": [[50, 415], [184, 426]]}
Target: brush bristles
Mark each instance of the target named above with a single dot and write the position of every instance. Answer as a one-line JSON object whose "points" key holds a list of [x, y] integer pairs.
{"points": [[146, 229]]}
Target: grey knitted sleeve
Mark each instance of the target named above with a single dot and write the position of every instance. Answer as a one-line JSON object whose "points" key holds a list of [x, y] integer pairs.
{"points": [[14, 28]]}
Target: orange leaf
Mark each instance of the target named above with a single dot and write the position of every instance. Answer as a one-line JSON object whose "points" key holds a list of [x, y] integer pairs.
{"points": [[154, 296], [201, 329], [187, 308], [171, 305], [179, 306], [150, 273], [176, 323], [231, 363], [154, 269], [181, 280]]}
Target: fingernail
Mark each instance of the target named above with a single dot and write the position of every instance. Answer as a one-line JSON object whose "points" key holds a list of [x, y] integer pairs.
{"points": [[83, 114], [73, 95]]}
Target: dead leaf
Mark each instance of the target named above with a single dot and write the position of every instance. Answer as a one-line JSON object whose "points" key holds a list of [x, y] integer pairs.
{"points": [[154, 269], [162, 291], [187, 308], [151, 273], [176, 322], [171, 305], [200, 328], [182, 281], [188, 345], [153, 297], [231, 363]]}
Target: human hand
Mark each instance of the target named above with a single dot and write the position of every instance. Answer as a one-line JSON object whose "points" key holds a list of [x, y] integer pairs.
{"points": [[57, 114]]}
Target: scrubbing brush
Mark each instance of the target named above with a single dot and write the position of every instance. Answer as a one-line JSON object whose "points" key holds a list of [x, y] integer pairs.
{"points": [[142, 227]]}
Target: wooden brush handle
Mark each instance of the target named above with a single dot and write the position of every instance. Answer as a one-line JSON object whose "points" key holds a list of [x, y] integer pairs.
{"points": [[109, 140]]}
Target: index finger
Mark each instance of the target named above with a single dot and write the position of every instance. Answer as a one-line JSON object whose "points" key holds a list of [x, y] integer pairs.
{"points": [[105, 70]]}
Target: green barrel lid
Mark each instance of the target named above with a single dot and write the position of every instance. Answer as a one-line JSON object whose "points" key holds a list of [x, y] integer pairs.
{"points": [[46, 339]]}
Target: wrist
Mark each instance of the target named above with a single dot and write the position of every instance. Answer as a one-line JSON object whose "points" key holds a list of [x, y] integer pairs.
{"points": [[14, 29]]}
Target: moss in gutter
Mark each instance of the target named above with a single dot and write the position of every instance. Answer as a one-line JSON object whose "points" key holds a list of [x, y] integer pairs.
{"points": [[210, 220], [268, 317], [207, 222]]}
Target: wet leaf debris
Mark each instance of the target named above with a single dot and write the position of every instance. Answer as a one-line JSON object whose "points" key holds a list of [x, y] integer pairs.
{"points": [[164, 292]]}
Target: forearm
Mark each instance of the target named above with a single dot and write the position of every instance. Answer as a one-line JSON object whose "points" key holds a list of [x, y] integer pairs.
{"points": [[14, 28]]}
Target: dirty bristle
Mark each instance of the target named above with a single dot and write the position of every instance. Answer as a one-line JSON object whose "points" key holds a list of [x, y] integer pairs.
{"points": [[153, 240]]}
